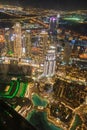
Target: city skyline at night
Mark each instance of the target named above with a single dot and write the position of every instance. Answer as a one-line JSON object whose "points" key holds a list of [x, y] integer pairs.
{"points": [[43, 65]]}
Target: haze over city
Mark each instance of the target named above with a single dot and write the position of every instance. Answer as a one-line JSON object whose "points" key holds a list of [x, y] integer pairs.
{"points": [[51, 4]]}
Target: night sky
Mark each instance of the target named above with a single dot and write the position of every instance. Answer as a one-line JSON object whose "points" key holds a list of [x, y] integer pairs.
{"points": [[51, 4]]}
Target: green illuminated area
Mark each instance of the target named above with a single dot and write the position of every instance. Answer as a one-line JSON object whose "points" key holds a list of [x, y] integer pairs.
{"points": [[22, 89], [74, 18], [15, 88]]}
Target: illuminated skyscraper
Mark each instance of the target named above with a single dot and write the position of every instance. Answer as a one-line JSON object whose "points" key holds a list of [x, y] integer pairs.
{"points": [[53, 24], [67, 53], [50, 62], [8, 43], [26, 44], [86, 100], [53, 29], [9, 40], [43, 44], [17, 42]]}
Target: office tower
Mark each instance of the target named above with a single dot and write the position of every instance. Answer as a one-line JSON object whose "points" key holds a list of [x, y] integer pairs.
{"points": [[2, 41], [67, 53], [9, 37], [53, 29], [26, 44], [50, 62], [17, 42], [86, 100], [43, 45], [53, 24], [7, 40]]}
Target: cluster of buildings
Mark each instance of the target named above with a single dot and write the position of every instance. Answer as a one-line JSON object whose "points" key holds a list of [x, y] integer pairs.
{"points": [[18, 45], [48, 55]]}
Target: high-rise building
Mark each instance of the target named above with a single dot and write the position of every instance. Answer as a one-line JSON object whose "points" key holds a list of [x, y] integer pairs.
{"points": [[43, 44], [53, 24], [50, 62], [9, 41], [26, 44], [67, 53], [53, 29], [86, 100], [17, 42]]}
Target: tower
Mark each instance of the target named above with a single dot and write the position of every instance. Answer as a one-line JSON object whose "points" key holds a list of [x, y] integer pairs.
{"points": [[43, 44], [53, 30], [17, 42], [50, 62], [26, 44], [67, 53], [86, 100], [53, 24], [7, 38]]}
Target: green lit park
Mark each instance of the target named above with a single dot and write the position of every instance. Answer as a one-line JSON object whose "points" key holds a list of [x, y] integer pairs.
{"points": [[15, 88]]}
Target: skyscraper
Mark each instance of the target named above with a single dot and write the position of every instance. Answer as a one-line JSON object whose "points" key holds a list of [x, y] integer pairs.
{"points": [[53, 23], [9, 41], [86, 100], [67, 53], [50, 62], [53, 29], [26, 44], [17, 42], [43, 44]]}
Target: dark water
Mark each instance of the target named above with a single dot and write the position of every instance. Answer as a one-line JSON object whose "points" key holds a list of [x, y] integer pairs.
{"points": [[39, 120], [38, 101], [76, 27], [76, 123], [15, 70]]}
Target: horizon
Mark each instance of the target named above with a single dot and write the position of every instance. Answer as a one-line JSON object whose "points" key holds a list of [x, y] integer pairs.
{"points": [[49, 4]]}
